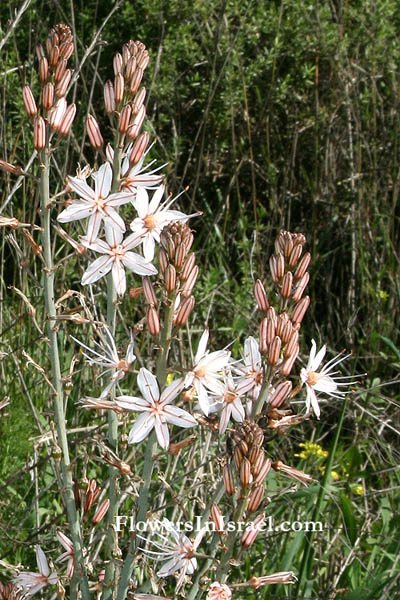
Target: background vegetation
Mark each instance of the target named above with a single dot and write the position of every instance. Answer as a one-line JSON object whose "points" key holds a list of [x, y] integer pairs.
{"points": [[279, 114]]}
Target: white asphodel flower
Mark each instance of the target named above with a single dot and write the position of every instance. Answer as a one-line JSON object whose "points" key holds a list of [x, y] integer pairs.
{"points": [[107, 357], [68, 554], [152, 218], [96, 204], [31, 583], [116, 256], [205, 374], [325, 380], [230, 404], [219, 591], [139, 175], [177, 549], [157, 410]]}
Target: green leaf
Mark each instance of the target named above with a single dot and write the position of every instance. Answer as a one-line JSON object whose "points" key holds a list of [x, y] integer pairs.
{"points": [[348, 518]]}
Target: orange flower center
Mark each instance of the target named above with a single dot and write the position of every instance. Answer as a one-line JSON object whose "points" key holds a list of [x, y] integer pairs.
{"points": [[150, 222], [312, 378]]}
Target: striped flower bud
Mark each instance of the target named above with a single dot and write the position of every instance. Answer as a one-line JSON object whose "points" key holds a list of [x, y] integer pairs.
{"points": [[170, 279], [255, 499], [300, 310], [292, 343], [188, 266], [288, 246], [245, 472], [57, 114], [66, 49], [117, 63], [48, 96], [67, 120], [138, 148], [39, 52], [139, 100], [280, 394], [301, 286], [29, 101], [263, 344], [280, 467], [303, 266], [295, 255], [286, 331], [280, 266], [265, 469], [136, 81], [39, 134], [134, 129], [162, 256], [153, 320], [190, 282], [257, 465], [91, 495], [93, 131], [180, 255], [272, 268], [238, 457], [228, 481], [274, 351], [119, 88], [184, 312], [149, 292], [54, 55], [287, 283], [125, 118], [254, 453], [130, 67], [101, 511], [60, 70], [261, 296], [43, 70], [217, 518], [62, 86], [280, 577], [109, 97], [288, 363], [143, 59], [249, 536]]}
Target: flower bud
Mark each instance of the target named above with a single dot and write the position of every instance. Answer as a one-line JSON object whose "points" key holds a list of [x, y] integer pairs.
{"points": [[188, 266], [43, 70], [162, 256], [252, 531], [109, 97], [190, 282], [149, 291], [263, 472], [245, 472], [300, 310], [134, 129], [184, 312], [287, 283], [279, 466], [39, 134], [255, 499], [217, 518], [153, 320], [48, 96], [170, 278], [261, 296], [60, 70], [301, 286], [101, 511], [124, 118], [67, 120], [54, 55], [295, 255], [280, 266], [117, 64], [66, 49], [130, 67], [288, 363], [263, 344], [62, 86], [143, 59], [119, 88], [138, 148], [138, 100], [274, 351], [302, 266], [136, 81], [280, 394], [93, 131], [272, 268], [57, 114], [29, 101], [228, 481]]}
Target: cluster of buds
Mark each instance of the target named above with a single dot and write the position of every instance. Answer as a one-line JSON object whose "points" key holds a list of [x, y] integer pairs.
{"points": [[9, 591], [86, 494], [251, 464], [55, 78], [124, 98], [179, 269]]}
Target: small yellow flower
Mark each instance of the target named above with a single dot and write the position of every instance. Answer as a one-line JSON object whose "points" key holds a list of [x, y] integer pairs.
{"points": [[311, 449], [335, 475], [359, 490], [170, 378]]}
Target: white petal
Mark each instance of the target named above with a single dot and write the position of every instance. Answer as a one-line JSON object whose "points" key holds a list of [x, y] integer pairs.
{"points": [[148, 247], [225, 417], [156, 199], [75, 211], [119, 277], [141, 202], [114, 219], [93, 227], [119, 198], [136, 263], [103, 180], [141, 428], [238, 410], [202, 346], [162, 433], [171, 392], [133, 240], [100, 267], [179, 417], [42, 562], [148, 385], [81, 187], [114, 235], [132, 403]]}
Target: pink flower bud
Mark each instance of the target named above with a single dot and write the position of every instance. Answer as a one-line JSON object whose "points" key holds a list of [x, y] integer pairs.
{"points": [[68, 120], [39, 134], [109, 97], [138, 148], [48, 96], [57, 114], [93, 131], [29, 101]]}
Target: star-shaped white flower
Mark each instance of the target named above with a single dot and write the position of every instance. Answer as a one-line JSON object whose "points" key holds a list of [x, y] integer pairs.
{"points": [[68, 555], [177, 548], [139, 175], [116, 256], [152, 218], [205, 374], [230, 403], [323, 380], [157, 410], [96, 204], [31, 583], [109, 359]]}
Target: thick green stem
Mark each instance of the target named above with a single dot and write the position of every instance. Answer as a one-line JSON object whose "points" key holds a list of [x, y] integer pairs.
{"points": [[221, 574], [58, 400]]}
